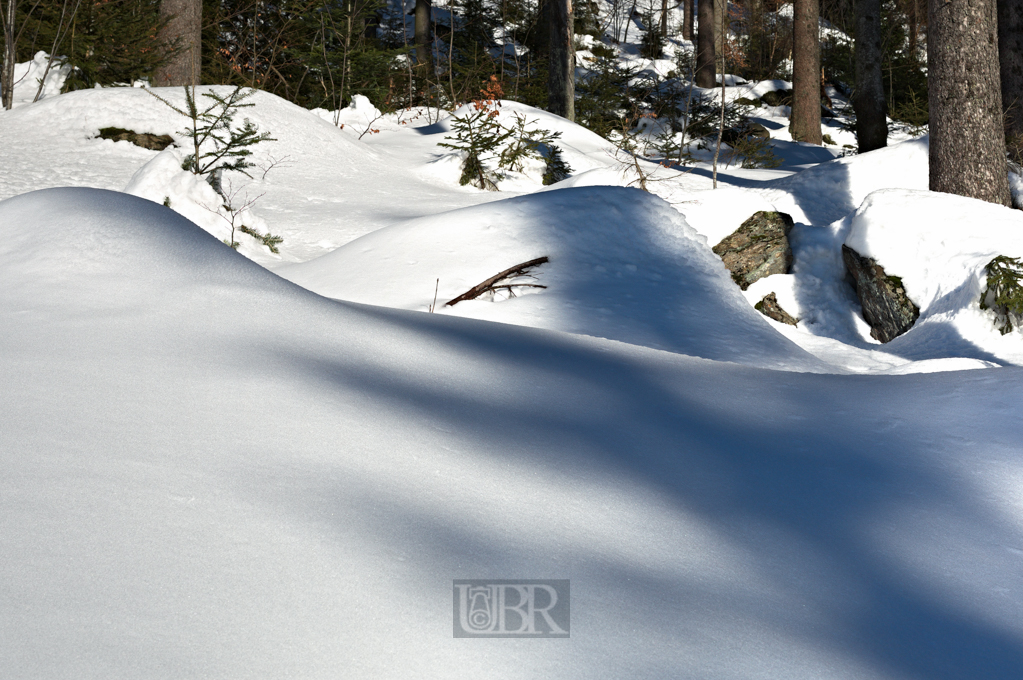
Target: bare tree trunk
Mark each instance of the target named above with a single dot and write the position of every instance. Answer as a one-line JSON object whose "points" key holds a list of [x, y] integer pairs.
{"points": [[967, 140], [868, 99], [183, 32], [720, 10], [664, 18], [806, 72], [10, 54], [424, 44], [1010, 57], [705, 45], [689, 25], [561, 74]]}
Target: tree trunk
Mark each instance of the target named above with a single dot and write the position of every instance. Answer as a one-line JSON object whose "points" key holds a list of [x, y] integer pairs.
{"points": [[967, 140], [561, 73], [705, 45], [10, 54], [914, 27], [664, 18], [806, 72], [424, 43], [183, 33], [720, 9], [1010, 57], [868, 100], [538, 40], [688, 19]]}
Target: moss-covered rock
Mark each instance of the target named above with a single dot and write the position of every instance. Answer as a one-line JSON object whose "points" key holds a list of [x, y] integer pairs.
{"points": [[146, 140], [770, 308], [758, 248], [886, 306]]}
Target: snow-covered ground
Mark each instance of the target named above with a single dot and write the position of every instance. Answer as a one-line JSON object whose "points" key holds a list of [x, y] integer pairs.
{"points": [[241, 464]]}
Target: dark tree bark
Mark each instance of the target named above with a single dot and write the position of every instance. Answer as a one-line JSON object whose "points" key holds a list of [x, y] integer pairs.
{"points": [[664, 18], [7, 69], [561, 73], [424, 35], [914, 26], [1010, 57], [538, 40], [868, 100], [705, 68], [806, 72], [688, 19], [967, 140], [183, 32]]}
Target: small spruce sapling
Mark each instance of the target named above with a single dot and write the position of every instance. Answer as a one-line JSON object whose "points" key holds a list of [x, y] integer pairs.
{"points": [[1004, 292], [477, 134], [218, 145], [557, 169], [525, 144]]}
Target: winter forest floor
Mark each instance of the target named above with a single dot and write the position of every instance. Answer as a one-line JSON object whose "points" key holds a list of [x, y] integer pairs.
{"points": [[210, 471]]}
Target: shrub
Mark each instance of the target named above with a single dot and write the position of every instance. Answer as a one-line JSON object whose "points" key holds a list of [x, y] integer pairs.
{"points": [[1003, 293]]}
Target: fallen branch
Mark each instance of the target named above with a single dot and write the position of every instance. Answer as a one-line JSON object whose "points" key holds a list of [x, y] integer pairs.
{"points": [[491, 284]]}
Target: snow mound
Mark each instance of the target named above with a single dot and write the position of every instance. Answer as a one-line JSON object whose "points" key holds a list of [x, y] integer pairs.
{"points": [[27, 76], [163, 181], [315, 171], [115, 248], [623, 265], [828, 192], [939, 245], [208, 472]]}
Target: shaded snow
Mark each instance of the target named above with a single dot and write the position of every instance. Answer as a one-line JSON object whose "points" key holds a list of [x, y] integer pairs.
{"points": [[210, 471]]}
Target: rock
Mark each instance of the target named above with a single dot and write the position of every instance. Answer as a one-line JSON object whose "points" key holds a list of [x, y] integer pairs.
{"points": [[886, 307], [758, 248], [770, 308], [146, 140], [777, 98], [745, 130]]}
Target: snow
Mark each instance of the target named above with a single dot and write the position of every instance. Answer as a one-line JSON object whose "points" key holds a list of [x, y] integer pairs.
{"points": [[27, 76], [233, 464], [624, 265]]}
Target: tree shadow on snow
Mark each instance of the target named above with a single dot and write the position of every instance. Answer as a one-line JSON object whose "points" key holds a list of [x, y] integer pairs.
{"points": [[788, 467]]}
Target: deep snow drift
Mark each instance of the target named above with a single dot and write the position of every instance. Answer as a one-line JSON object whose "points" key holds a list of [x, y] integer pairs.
{"points": [[207, 470], [210, 471]]}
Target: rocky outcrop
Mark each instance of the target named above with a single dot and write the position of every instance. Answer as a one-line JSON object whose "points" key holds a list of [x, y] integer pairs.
{"points": [[770, 308], [777, 98], [144, 139], [743, 131], [886, 307], [758, 248]]}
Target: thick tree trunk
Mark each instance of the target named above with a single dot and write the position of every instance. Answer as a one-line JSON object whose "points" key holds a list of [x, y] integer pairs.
{"points": [[664, 18], [183, 32], [705, 68], [967, 140], [423, 35], [688, 19], [868, 99], [10, 54], [1010, 57], [806, 72], [561, 73]]}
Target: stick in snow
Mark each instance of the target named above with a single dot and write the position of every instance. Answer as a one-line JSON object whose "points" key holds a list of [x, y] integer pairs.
{"points": [[489, 284]]}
